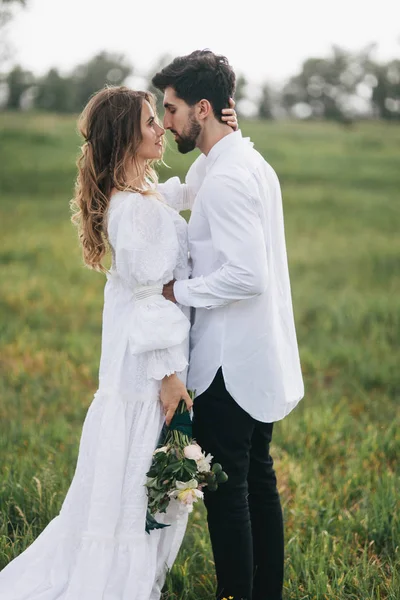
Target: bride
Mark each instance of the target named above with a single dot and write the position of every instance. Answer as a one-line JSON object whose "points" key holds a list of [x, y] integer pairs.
{"points": [[97, 547]]}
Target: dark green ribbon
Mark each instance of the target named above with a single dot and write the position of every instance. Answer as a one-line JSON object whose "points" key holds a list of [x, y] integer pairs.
{"points": [[182, 422], [151, 523]]}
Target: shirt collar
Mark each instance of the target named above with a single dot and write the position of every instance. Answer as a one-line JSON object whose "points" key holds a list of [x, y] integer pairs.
{"points": [[232, 139]]}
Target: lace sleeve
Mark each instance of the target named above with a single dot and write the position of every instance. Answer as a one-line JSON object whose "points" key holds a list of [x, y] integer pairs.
{"points": [[177, 195], [145, 244], [144, 240]]}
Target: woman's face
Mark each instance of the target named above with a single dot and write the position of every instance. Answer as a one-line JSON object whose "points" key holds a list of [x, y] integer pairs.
{"points": [[151, 146]]}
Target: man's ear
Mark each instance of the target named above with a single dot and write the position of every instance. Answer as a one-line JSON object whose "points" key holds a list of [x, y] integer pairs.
{"points": [[204, 109]]}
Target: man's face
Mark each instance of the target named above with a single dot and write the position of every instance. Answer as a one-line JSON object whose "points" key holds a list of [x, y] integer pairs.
{"points": [[181, 120]]}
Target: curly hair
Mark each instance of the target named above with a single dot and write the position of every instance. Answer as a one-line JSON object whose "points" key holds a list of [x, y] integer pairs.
{"points": [[111, 127], [201, 74]]}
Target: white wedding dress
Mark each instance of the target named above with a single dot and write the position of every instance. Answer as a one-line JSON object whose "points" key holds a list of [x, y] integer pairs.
{"points": [[97, 547]]}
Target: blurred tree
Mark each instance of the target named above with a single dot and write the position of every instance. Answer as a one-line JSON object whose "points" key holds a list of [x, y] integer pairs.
{"points": [[104, 68], [18, 82], [386, 91], [327, 87], [240, 92], [265, 106], [56, 93]]}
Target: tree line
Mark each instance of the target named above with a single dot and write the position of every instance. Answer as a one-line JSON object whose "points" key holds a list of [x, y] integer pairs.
{"points": [[343, 86]]}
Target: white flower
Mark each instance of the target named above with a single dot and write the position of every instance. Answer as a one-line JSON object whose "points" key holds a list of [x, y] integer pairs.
{"points": [[193, 452], [187, 492], [163, 449], [204, 464]]}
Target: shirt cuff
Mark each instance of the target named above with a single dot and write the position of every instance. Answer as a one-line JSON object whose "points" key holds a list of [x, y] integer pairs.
{"points": [[181, 292]]}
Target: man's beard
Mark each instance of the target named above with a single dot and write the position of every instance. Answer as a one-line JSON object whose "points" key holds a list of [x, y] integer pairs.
{"points": [[186, 142]]}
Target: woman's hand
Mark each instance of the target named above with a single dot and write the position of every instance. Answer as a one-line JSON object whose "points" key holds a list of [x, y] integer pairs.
{"points": [[229, 115], [172, 392]]}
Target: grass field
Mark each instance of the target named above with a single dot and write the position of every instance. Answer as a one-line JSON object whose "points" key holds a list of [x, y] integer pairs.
{"points": [[336, 456]]}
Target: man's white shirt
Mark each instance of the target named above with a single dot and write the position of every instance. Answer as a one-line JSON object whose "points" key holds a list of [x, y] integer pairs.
{"points": [[240, 289]]}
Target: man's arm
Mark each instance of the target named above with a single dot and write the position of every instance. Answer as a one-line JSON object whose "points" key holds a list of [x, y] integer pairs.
{"points": [[239, 243]]}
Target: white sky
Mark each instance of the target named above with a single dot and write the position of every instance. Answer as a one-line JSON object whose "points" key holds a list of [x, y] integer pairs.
{"points": [[267, 41]]}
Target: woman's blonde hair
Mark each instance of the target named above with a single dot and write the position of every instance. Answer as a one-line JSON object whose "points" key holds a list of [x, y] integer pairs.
{"points": [[111, 126]]}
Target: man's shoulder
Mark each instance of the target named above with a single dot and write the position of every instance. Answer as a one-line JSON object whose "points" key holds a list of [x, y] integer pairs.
{"points": [[239, 165]]}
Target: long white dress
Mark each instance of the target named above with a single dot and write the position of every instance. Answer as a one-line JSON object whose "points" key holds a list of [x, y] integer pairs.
{"points": [[97, 547]]}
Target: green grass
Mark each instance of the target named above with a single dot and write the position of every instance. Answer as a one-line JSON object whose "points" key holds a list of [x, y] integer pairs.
{"points": [[336, 456]]}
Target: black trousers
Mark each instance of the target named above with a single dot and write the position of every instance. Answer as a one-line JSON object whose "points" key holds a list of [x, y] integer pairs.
{"points": [[244, 515]]}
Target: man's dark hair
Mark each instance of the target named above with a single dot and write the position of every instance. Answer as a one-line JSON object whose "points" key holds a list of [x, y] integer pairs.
{"points": [[199, 75]]}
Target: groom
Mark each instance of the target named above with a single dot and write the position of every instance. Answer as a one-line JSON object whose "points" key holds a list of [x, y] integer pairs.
{"points": [[244, 362]]}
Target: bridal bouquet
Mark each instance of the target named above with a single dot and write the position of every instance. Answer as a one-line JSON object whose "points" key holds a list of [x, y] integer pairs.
{"points": [[180, 469]]}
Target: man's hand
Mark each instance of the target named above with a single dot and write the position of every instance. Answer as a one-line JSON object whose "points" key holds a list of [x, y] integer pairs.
{"points": [[168, 291], [172, 392]]}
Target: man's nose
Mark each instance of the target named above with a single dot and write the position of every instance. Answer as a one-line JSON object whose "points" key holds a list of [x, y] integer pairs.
{"points": [[166, 121]]}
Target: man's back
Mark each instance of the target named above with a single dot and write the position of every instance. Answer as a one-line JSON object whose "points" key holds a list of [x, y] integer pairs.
{"points": [[243, 320]]}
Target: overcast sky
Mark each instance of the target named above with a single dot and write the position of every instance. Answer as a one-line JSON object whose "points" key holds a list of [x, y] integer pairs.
{"points": [[264, 40]]}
